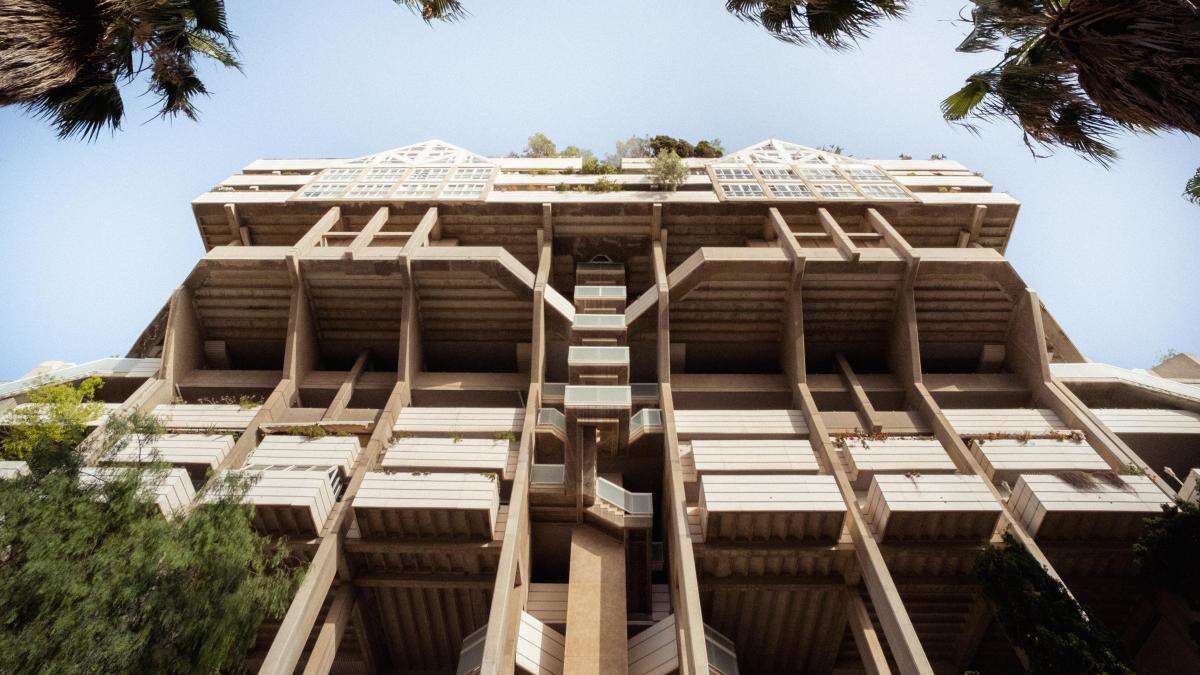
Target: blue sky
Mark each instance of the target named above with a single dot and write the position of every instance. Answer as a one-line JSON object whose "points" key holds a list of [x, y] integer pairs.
{"points": [[93, 237]]}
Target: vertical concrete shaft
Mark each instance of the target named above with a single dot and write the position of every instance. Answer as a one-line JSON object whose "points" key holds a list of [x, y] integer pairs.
{"points": [[596, 619]]}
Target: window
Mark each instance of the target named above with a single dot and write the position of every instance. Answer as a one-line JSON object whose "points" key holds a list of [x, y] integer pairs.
{"points": [[474, 173], [417, 189], [864, 173], [323, 190], [777, 174], [341, 174], [428, 174], [463, 190], [384, 174], [790, 190], [370, 190], [817, 173], [742, 189], [883, 191], [837, 191], [732, 173]]}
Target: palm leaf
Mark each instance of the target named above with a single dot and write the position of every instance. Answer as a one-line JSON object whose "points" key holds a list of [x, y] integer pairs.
{"points": [[963, 102], [212, 48], [435, 10], [1192, 191]]}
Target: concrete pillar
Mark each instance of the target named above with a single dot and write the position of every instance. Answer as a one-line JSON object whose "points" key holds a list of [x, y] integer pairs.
{"points": [[596, 619]]}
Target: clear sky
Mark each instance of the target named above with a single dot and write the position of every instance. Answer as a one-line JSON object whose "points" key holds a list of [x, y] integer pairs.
{"points": [[93, 237]]}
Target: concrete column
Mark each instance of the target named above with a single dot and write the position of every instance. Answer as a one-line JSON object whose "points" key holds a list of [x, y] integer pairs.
{"points": [[596, 619]]}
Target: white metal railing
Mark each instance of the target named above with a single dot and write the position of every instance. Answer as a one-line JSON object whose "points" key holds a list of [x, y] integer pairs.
{"points": [[470, 657], [547, 474], [634, 503], [722, 656]]}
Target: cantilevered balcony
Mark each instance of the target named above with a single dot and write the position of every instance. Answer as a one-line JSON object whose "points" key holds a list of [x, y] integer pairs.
{"points": [[757, 507], [1082, 508], [1004, 460], [448, 454], [171, 491], [291, 500], [931, 508], [197, 453], [204, 417], [867, 458], [336, 451], [428, 504]]}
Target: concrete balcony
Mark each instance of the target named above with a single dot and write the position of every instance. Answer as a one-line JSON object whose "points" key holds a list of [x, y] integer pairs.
{"points": [[746, 424], [292, 500], [1006, 459], [463, 422], [441, 504], [1085, 509], [202, 416], [931, 508], [337, 451], [197, 453], [976, 422], [754, 457], [735, 507], [867, 458], [448, 454], [171, 491]]}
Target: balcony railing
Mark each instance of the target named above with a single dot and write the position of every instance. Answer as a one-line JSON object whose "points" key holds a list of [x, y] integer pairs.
{"points": [[470, 657], [550, 419], [547, 474], [722, 656], [633, 503]]}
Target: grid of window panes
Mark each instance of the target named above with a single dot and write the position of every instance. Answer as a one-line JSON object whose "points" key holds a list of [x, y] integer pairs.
{"points": [[817, 180], [399, 183]]}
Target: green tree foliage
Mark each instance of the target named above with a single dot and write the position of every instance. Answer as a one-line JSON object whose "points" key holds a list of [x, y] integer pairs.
{"points": [[94, 579], [634, 146], [540, 145], [663, 143], [1041, 618], [1166, 555], [668, 170], [45, 432], [1192, 191], [68, 62]]}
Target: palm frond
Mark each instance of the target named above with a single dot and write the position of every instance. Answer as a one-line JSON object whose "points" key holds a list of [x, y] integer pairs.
{"points": [[1192, 190], [81, 108], [835, 23], [435, 10], [222, 53], [963, 102]]}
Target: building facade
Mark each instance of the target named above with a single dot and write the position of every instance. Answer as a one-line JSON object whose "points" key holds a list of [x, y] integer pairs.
{"points": [[763, 423]]}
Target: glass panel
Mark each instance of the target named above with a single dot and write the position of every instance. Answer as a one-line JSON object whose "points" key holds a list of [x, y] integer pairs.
{"points": [[552, 417], [883, 191], [790, 190], [553, 474], [722, 657], [732, 173], [636, 503], [598, 355], [610, 292], [837, 191], [742, 189], [613, 321], [597, 396]]}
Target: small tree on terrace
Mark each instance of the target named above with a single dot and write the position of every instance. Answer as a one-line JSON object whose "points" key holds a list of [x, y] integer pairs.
{"points": [[668, 170]]}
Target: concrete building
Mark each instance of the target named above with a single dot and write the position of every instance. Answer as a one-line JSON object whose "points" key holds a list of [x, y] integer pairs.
{"points": [[760, 424]]}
